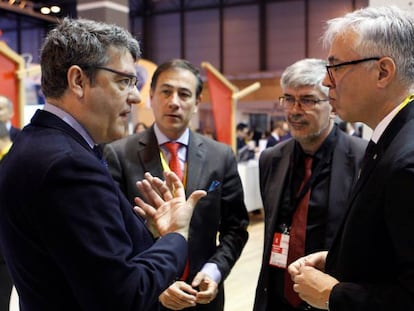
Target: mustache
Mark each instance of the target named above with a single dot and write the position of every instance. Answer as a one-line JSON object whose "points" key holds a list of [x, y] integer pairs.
{"points": [[297, 118]]}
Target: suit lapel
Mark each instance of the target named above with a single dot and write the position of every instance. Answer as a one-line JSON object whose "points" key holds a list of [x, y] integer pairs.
{"points": [[148, 153], [44, 118], [385, 140], [196, 157], [279, 170]]}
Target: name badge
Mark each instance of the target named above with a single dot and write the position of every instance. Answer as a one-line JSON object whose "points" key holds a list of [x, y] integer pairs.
{"points": [[280, 248]]}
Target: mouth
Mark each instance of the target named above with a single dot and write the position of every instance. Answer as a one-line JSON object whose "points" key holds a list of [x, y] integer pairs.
{"points": [[297, 124], [173, 116], [125, 113]]}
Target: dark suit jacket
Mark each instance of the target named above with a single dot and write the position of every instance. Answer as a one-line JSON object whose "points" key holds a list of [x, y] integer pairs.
{"points": [[373, 253], [222, 210], [271, 141], [14, 131], [274, 165], [69, 236]]}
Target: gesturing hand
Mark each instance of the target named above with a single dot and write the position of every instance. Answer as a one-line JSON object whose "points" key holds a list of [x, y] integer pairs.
{"points": [[166, 205]]}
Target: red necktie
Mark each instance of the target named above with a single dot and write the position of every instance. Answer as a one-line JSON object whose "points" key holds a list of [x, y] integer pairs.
{"points": [[174, 160], [176, 168], [298, 235]]}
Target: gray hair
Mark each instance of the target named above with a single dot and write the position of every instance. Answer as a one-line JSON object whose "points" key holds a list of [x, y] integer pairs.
{"points": [[382, 31], [305, 72], [80, 42]]}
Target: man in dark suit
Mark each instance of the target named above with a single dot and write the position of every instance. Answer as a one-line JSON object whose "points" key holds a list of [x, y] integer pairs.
{"points": [[6, 114], [205, 164], [370, 266], [278, 134], [335, 164], [70, 238]]}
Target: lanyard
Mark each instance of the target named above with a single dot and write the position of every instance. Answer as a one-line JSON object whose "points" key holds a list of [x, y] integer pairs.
{"points": [[166, 167], [408, 99]]}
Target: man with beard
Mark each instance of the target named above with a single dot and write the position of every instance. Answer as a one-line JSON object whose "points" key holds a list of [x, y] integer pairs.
{"points": [[305, 183]]}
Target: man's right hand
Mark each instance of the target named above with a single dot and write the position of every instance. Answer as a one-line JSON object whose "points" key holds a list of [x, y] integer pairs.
{"points": [[166, 205], [178, 296]]}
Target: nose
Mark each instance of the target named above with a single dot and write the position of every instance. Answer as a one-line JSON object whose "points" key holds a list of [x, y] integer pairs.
{"points": [[327, 81], [174, 99], [134, 96], [296, 108]]}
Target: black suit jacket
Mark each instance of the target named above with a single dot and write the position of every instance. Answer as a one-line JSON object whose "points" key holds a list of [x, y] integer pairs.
{"points": [[69, 236], [274, 166], [222, 210], [271, 141], [373, 254], [14, 131]]}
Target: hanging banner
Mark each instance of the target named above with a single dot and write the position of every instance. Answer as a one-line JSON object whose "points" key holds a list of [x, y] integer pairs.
{"points": [[221, 92], [11, 85]]}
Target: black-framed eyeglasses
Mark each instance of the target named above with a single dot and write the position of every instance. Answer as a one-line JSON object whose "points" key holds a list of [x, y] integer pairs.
{"points": [[305, 102], [130, 81], [329, 68]]}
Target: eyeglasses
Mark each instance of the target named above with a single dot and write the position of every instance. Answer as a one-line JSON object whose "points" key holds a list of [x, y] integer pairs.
{"points": [[305, 103], [329, 68], [129, 82]]}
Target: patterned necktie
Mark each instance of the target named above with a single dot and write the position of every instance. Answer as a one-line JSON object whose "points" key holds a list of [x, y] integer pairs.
{"points": [[174, 163], [298, 235]]}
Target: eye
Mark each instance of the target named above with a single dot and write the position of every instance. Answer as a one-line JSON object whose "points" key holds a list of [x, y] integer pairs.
{"points": [[307, 101], [166, 92], [290, 100], [125, 82], [334, 67], [184, 95]]}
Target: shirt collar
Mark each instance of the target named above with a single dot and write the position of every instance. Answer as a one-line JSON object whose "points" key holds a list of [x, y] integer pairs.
{"points": [[384, 123], [67, 118], [162, 138]]}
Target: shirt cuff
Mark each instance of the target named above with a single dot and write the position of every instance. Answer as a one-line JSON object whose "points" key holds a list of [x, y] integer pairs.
{"points": [[212, 271]]}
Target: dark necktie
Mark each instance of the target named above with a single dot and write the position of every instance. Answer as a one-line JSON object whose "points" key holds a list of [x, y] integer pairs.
{"points": [[174, 163], [368, 156], [97, 150], [298, 235], [176, 168]]}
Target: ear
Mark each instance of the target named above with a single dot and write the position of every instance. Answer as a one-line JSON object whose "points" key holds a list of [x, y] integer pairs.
{"points": [[198, 101], [386, 71], [151, 95], [77, 80]]}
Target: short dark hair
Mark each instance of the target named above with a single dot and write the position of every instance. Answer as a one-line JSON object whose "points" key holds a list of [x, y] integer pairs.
{"points": [[178, 63], [80, 42], [241, 126]]}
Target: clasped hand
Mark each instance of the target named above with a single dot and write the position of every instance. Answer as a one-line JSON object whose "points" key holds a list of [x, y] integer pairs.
{"points": [[310, 282], [166, 205], [181, 295]]}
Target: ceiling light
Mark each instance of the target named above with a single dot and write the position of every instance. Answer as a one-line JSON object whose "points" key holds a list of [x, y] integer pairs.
{"points": [[45, 10], [55, 9]]}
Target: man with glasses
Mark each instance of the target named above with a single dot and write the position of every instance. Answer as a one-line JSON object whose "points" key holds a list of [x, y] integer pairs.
{"points": [[70, 238], [304, 215], [370, 265]]}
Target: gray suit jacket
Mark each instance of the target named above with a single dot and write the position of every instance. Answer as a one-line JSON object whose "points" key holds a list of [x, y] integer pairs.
{"points": [[222, 210], [274, 166]]}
